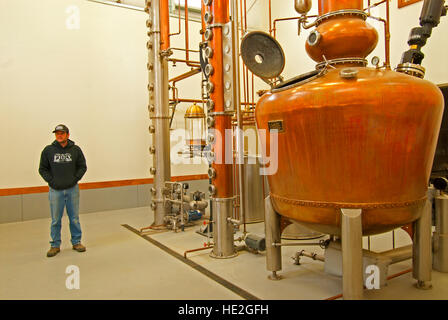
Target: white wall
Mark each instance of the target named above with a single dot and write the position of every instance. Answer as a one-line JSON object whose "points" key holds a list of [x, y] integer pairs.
{"points": [[93, 80], [402, 21]]}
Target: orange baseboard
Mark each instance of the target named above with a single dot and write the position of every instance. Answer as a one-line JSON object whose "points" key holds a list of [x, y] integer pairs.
{"points": [[99, 185]]}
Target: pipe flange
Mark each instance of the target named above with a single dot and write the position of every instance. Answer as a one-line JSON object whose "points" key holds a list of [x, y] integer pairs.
{"points": [[411, 69], [211, 173], [208, 52], [362, 62], [208, 17], [210, 121], [345, 12], [212, 190], [210, 105], [209, 70], [348, 73], [208, 34]]}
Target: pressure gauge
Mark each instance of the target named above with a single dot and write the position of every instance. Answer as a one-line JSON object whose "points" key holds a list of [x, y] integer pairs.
{"points": [[375, 61]]}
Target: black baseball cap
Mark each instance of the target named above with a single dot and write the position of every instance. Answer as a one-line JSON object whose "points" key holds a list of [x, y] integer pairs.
{"points": [[61, 127]]}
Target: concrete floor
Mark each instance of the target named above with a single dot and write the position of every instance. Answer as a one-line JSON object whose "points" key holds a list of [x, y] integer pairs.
{"points": [[119, 264]]}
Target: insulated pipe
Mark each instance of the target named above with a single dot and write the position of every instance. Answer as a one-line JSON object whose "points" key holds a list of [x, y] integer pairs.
{"points": [[158, 109]]}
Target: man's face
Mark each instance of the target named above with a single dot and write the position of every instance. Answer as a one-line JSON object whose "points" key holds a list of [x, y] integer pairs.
{"points": [[61, 136]]}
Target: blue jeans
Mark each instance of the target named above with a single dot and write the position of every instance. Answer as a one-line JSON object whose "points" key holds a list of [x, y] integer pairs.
{"points": [[68, 198]]}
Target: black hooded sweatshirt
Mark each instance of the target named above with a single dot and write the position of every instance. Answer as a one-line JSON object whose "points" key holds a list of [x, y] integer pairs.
{"points": [[62, 167]]}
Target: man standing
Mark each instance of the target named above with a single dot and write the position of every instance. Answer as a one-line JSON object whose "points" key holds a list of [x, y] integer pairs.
{"points": [[62, 165]]}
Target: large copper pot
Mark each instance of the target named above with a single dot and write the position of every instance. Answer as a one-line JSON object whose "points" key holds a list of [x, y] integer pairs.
{"points": [[366, 141]]}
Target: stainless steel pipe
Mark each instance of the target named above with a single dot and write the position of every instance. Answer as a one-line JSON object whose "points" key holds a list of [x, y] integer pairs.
{"points": [[239, 117], [159, 113], [223, 243], [440, 236]]}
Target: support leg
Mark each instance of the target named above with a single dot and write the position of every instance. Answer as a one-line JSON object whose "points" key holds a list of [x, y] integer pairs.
{"points": [[422, 253], [273, 235], [440, 242], [352, 265]]}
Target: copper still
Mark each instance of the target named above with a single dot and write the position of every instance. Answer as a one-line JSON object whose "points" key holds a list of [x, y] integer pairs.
{"points": [[350, 136]]}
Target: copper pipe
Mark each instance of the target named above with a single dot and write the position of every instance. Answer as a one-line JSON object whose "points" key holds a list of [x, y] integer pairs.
{"points": [[399, 274], [182, 49], [387, 31], [270, 18], [185, 75], [223, 179], [373, 5], [180, 24], [253, 89], [187, 100], [200, 101], [388, 278], [335, 297], [202, 20], [164, 25], [245, 15], [283, 19], [386, 28], [193, 64], [187, 38], [195, 250]]}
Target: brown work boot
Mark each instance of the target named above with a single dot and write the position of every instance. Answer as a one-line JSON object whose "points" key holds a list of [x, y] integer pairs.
{"points": [[79, 247], [53, 251]]}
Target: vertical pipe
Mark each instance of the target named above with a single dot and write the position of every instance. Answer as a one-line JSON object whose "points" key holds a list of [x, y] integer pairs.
{"points": [[273, 235], [164, 25], [270, 18], [223, 180], [237, 103], [159, 111], [222, 199], [202, 20], [422, 253], [352, 265], [387, 35]]}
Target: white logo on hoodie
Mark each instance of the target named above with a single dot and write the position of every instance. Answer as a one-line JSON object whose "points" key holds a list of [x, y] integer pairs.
{"points": [[58, 157]]}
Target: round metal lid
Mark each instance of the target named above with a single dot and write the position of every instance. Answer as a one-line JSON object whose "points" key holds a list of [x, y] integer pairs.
{"points": [[262, 54]]}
